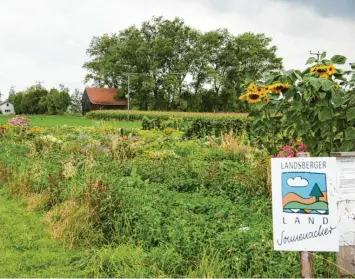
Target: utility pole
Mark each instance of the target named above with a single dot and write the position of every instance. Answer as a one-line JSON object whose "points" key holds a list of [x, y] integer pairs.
{"points": [[315, 53]]}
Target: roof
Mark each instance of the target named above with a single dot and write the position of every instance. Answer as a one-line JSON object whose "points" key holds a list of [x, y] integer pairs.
{"points": [[4, 102], [104, 96]]}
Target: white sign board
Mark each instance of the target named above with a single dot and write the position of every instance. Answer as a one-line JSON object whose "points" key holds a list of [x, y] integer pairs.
{"points": [[345, 189], [304, 204]]}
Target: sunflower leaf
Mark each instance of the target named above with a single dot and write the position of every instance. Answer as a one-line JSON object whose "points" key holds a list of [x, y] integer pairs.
{"points": [[311, 60], [325, 114], [324, 54], [315, 82], [350, 133], [350, 115], [338, 59], [326, 84]]}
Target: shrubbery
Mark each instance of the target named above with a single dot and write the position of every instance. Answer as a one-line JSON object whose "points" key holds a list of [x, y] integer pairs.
{"points": [[149, 202], [192, 124]]}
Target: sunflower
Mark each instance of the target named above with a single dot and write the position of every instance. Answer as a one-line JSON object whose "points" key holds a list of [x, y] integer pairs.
{"points": [[278, 88], [267, 99], [331, 70], [251, 88], [324, 75], [243, 97], [253, 97], [261, 91]]}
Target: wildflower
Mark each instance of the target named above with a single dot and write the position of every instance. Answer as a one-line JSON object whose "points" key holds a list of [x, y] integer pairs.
{"points": [[20, 121], [302, 147]]}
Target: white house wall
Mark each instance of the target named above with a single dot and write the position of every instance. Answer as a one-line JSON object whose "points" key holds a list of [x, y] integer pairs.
{"points": [[7, 108]]}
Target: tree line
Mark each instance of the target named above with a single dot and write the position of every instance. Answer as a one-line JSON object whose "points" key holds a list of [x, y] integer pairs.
{"points": [[38, 100], [172, 66]]}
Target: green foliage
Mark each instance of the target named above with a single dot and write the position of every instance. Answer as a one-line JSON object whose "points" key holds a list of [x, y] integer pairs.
{"points": [[38, 100], [162, 53], [28, 250], [318, 107], [193, 124], [151, 203]]}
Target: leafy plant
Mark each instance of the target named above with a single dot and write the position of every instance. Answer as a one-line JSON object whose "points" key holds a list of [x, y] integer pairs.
{"points": [[316, 104]]}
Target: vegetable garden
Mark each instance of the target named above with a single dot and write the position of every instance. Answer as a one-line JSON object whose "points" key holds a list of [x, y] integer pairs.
{"points": [[186, 195]]}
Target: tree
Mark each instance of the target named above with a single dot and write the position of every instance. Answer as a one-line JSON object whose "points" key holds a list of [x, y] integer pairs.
{"points": [[75, 106], [316, 192], [12, 93], [37, 100], [171, 65], [30, 102]]}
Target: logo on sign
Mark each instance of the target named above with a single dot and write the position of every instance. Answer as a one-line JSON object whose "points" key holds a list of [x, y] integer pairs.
{"points": [[304, 193]]}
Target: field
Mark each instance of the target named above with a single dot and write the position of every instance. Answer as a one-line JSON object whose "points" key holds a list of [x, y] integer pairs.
{"points": [[148, 203], [60, 120]]}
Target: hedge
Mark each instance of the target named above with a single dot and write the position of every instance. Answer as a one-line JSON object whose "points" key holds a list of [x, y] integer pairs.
{"points": [[193, 124]]}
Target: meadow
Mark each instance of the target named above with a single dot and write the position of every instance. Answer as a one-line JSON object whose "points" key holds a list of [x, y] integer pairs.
{"points": [[137, 203], [64, 120]]}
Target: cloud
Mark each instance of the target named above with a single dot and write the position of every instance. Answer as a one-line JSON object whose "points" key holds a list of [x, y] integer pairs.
{"points": [[46, 40], [297, 182]]}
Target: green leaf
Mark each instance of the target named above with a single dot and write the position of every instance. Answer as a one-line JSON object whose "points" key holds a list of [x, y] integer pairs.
{"points": [[323, 55], [352, 66], [297, 105], [298, 75], [290, 93], [325, 114], [338, 59], [326, 84], [315, 82], [350, 133], [311, 60], [350, 115], [326, 62]]}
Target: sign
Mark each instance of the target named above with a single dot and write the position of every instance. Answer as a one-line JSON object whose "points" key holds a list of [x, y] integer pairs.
{"points": [[304, 204], [345, 189]]}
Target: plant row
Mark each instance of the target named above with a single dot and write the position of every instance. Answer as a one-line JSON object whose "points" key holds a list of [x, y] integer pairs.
{"points": [[193, 124]]}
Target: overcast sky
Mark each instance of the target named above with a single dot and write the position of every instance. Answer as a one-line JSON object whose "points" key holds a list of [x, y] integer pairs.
{"points": [[46, 40]]}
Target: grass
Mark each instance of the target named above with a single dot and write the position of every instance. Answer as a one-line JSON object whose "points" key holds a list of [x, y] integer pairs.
{"points": [[27, 250], [64, 120]]}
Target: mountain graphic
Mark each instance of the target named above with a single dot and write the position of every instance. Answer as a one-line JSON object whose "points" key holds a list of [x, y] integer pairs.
{"points": [[293, 203]]}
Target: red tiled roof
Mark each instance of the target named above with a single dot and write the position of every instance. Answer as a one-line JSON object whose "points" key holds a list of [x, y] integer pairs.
{"points": [[104, 96]]}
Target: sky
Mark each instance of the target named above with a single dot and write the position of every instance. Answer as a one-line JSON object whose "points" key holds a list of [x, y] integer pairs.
{"points": [[46, 40], [291, 183]]}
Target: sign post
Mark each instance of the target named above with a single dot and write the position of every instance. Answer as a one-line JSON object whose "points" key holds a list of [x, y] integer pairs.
{"points": [[306, 258], [304, 207], [345, 188]]}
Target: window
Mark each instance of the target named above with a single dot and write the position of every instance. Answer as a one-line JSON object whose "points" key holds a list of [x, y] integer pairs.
{"points": [[7, 105]]}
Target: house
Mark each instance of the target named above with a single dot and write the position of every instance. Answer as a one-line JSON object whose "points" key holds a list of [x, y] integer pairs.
{"points": [[6, 108], [101, 98]]}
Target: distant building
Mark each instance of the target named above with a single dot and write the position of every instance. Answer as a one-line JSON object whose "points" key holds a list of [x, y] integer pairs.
{"points": [[100, 99], [6, 108]]}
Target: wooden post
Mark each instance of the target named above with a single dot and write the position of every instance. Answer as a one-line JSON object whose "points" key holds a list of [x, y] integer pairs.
{"points": [[346, 254], [306, 257]]}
